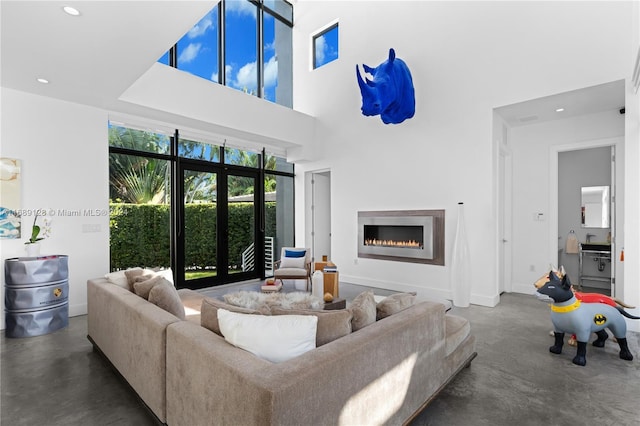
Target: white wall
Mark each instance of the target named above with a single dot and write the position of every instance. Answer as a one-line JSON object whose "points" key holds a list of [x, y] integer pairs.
{"points": [[466, 58], [632, 179], [63, 151], [534, 174]]}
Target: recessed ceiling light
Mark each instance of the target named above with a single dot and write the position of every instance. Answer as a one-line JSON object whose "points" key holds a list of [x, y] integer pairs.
{"points": [[71, 11], [42, 80], [559, 109]]}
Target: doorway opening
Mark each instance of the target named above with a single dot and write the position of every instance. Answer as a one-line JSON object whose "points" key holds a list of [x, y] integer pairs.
{"points": [[580, 167], [318, 222]]}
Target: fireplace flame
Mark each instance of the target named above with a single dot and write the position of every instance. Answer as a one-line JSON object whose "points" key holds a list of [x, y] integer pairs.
{"points": [[393, 243]]}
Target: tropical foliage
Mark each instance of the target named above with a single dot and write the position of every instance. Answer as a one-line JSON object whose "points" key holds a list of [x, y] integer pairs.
{"points": [[145, 179], [138, 179]]}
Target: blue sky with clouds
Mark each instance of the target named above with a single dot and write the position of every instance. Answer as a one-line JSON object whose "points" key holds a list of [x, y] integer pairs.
{"points": [[198, 49]]}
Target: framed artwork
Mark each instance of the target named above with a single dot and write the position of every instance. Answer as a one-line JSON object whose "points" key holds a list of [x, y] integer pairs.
{"points": [[9, 198]]}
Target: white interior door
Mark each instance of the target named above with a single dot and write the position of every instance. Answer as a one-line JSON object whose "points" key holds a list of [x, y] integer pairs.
{"points": [[321, 215], [504, 222]]}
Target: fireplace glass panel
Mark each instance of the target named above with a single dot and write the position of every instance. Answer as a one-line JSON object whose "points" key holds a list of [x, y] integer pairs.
{"points": [[394, 236]]}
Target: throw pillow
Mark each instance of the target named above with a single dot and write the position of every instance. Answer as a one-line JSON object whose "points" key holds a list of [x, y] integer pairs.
{"points": [[331, 324], [132, 274], [394, 303], [143, 284], [209, 313], [119, 278], [363, 309], [165, 296], [294, 253], [167, 274], [293, 262], [273, 338]]}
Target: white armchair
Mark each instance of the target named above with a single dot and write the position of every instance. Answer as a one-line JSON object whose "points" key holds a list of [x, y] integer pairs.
{"points": [[294, 264]]}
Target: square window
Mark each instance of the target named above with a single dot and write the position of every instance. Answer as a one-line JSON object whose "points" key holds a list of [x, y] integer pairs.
{"points": [[325, 46]]}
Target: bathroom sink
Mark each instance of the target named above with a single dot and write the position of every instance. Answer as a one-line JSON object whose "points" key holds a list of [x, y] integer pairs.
{"points": [[596, 246]]}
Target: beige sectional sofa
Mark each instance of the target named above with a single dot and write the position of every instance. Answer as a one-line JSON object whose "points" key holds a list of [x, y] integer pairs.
{"points": [[186, 374]]}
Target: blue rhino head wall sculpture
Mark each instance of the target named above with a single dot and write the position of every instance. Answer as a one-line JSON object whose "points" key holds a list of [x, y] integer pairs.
{"points": [[390, 93]]}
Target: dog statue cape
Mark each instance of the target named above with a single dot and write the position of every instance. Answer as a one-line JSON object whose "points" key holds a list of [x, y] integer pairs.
{"points": [[390, 93], [570, 315]]}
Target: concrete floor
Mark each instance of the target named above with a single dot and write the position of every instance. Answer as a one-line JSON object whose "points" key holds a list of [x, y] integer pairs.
{"points": [[57, 379]]}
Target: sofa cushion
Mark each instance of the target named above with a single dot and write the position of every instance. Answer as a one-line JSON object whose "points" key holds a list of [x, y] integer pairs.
{"points": [[331, 324], [165, 296], [209, 313], [394, 303], [296, 272], [143, 284], [192, 302], [456, 329], [273, 338], [363, 309]]}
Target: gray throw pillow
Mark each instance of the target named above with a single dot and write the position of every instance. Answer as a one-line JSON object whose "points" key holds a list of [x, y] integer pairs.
{"points": [[143, 284], [132, 274], [209, 313], [394, 303], [363, 309], [331, 324], [165, 296]]}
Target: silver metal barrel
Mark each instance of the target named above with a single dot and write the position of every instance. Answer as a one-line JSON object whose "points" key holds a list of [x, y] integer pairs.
{"points": [[36, 295]]}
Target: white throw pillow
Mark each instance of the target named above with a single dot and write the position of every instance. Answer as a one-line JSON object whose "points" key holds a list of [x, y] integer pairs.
{"points": [[273, 338], [167, 274], [292, 262]]}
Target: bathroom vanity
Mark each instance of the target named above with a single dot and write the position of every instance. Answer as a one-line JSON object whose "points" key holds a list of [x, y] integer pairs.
{"points": [[594, 258], [600, 254]]}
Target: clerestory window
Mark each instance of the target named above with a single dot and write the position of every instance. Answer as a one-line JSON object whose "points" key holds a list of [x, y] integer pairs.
{"points": [[325, 46], [243, 44]]}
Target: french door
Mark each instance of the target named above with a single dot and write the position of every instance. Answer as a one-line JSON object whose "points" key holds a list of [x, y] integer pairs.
{"points": [[219, 236]]}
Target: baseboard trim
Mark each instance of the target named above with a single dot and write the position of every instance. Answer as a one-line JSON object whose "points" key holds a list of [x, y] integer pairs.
{"points": [[523, 288]]}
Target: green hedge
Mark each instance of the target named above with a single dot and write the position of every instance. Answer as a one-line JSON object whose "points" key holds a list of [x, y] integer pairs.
{"points": [[139, 234]]}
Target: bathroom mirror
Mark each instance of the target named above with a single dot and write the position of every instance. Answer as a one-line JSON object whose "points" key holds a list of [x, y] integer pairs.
{"points": [[595, 206]]}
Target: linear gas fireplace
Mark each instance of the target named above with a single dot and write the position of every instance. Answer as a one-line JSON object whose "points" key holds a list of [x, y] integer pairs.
{"points": [[405, 235]]}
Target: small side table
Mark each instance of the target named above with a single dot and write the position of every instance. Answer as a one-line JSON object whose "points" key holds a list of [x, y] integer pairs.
{"points": [[331, 279]]}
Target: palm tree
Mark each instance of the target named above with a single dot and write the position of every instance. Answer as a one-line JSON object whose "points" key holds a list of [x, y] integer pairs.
{"points": [[136, 179]]}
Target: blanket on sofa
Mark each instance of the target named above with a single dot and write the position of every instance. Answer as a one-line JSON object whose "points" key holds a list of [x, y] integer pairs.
{"points": [[263, 302]]}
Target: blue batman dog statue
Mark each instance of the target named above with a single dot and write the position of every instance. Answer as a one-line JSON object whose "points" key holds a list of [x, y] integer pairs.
{"points": [[569, 315], [390, 93]]}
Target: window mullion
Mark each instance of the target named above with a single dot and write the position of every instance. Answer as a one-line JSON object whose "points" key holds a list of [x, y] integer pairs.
{"points": [[260, 53], [222, 60]]}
